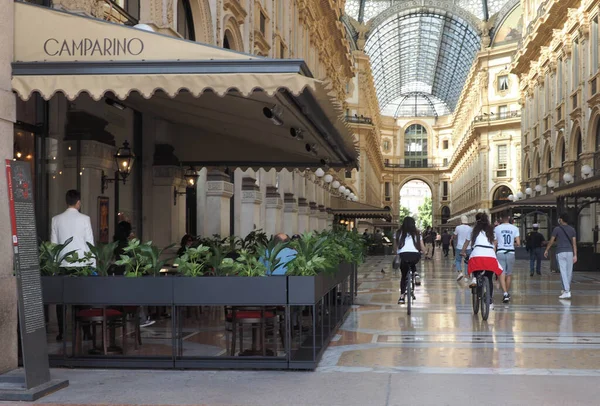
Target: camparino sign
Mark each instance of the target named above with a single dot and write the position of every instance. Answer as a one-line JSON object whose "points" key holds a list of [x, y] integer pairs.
{"points": [[93, 47]]}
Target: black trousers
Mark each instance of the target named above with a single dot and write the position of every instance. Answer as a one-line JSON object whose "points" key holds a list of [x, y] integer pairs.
{"points": [[446, 249], [408, 260]]}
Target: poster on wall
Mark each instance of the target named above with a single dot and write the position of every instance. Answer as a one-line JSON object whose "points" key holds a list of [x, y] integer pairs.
{"points": [[103, 219]]}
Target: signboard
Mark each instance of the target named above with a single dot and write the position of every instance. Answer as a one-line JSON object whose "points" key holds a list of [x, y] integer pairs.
{"points": [[103, 220], [27, 269]]}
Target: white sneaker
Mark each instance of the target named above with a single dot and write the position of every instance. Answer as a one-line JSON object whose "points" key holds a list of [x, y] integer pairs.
{"points": [[459, 277], [491, 306], [473, 282], [566, 295]]}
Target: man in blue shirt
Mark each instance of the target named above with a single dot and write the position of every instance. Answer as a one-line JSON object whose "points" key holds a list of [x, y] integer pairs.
{"points": [[285, 255]]}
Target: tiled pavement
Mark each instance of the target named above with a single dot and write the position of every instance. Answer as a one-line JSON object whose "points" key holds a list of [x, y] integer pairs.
{"points": [[536, 350]]}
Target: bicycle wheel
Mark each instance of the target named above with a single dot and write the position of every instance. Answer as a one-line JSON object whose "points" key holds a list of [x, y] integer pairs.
{"points": [[409, 289], [475, 300], [485, 298]]}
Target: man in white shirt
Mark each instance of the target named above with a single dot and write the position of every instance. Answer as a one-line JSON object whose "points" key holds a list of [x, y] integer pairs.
{"points": [[462, 233], [71, 224], [506, 234]]}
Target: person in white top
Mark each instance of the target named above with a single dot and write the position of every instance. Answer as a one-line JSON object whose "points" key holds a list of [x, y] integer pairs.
{"points": [[506, 235], [72, 224], [408, 244], [461, 234], [483, 255]]}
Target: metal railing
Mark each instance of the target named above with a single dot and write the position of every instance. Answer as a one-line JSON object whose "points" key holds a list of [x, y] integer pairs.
{"points": [[409, 166], [359, 119], [500, 116]]}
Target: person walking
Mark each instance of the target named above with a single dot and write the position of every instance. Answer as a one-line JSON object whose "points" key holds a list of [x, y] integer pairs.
{"points": [[446, 238], [535, 241], [71, 224], [566, 252], [408, 244], [507, 238], [428, 240], [461, 234]]}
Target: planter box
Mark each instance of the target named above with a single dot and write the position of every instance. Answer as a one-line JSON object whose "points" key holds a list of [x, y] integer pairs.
{"points": [[52, 289], [230, 290], [118, 290], [308, 290]]}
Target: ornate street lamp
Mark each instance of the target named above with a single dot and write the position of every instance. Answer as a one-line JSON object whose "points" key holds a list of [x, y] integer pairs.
{"points": [[191, 178], [124, 159]]}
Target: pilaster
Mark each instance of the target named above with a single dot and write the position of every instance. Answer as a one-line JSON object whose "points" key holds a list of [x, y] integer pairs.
{"points": [[314, 216], [290, 214], [303, 216], [169, 225], [218, 202], [251, 201], [274, 206]]}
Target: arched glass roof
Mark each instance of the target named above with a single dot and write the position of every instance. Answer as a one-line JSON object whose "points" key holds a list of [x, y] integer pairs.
{"points": [[420, 54], [364, 10], [416, 104]]}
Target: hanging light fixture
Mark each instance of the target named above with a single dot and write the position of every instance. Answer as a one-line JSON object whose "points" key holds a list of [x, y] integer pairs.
{"points": [[342, 189], [124, 158], [191, 177], [538, 188], [335, 184], [551, 184], [567, 177], [328, 178], [528, 191], [320, 173]]}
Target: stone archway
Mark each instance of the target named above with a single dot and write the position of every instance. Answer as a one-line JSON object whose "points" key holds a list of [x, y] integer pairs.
{"points": [[415, 195], [232, 36], [203, 26]]}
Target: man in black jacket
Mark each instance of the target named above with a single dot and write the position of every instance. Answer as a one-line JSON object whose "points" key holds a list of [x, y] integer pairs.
{"points": [[534, 243]]}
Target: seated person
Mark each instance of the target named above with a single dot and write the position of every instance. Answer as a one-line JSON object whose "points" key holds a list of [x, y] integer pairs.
{"points": [[284, 256], [186, 242]]}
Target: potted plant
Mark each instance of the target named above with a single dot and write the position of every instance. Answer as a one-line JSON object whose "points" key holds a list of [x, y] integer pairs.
{"points": [[51, 258]]}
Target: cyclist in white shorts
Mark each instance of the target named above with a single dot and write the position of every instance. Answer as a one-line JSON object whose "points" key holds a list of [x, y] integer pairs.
{"points": [[506, 234]]}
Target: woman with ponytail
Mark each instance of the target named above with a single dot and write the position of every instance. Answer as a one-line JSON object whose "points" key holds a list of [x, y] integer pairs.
{"points": [[483, 254]]}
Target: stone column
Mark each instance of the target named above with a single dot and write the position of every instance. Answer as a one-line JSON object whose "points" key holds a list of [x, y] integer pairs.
{"points": [[218, 200], [314, 216], [290, 214], [169, 226], [303, 216], [274, 206], [8, 290], [251, 201], [329, 219], [322, 218]]}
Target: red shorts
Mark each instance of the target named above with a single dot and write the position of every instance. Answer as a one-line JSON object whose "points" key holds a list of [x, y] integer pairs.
{"points": [[484, 264]]}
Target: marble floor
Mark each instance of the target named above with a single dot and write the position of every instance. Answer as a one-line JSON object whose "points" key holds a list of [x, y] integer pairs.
{"points": [[534, 334]]}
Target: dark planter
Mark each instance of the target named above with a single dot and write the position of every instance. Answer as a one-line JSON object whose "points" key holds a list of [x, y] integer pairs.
{"points": [[52, 289], [118, 290], [308, 290], [230, 290]]}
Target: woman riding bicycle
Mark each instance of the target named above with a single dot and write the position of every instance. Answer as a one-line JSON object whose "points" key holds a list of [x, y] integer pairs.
{"points": [[408, 244], [483, 254]]}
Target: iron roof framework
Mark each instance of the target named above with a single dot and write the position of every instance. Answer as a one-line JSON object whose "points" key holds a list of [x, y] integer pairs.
{"points": [[365, 10], [420, 52]]}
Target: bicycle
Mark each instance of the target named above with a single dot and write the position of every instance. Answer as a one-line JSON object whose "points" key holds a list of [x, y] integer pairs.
{"points": [[481, 294], [410, 286]]}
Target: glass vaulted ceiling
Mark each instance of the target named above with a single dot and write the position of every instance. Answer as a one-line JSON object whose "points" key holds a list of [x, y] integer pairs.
{"points": [[421, 59], [364, 10]]}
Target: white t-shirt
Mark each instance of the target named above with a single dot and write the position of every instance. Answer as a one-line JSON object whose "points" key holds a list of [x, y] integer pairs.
{"points": [[462, 233], [481, 247], [409, 245], [505, 236]]}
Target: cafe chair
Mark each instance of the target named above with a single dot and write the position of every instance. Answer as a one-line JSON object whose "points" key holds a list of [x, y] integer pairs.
{"points": [[261, 320]]}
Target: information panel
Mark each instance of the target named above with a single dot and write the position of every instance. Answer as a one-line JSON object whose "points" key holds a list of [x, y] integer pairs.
{"points": [[27, 269]]}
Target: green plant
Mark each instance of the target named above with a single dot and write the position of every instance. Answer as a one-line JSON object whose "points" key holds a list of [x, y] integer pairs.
{"points": [[254, 240], [152, 255], [248, 264], [141, 259], [103, 255], [52, 256], [269, 253], [218, 262], [193, 261], [311, 257]]}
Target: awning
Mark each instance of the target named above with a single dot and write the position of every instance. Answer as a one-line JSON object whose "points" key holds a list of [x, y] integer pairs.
{"points": [[355, 210], [584, 188], [542, 201], [218, 96]]}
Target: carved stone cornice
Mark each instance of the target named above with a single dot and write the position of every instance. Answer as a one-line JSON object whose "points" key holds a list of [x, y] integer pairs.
{"points": [[94, 8], [236, 9], [219, 188]]}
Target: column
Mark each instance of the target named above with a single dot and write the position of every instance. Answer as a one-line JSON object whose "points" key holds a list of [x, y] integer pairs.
{"points": [[169, 226], [303, 216], [8, 290], [314, 216], [218, 200], [329, 219], [290, 214], [322, 218], [251, 201], [274, 206]]}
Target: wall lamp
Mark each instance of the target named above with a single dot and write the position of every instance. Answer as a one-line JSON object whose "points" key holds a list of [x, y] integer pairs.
{"points": [[274, 114], [115, 104], [191, 177], [124, 159]]}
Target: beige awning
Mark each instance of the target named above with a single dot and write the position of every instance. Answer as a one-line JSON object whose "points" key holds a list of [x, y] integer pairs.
{"points": [[350, 209], [213, 91]]}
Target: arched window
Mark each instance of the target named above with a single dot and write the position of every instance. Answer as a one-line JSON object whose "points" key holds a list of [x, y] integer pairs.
{"points": [[415, 146], [185, 21], [579, 144], [563, 153], [226, 43], [548, 159], [502, 193], [445, 214]]}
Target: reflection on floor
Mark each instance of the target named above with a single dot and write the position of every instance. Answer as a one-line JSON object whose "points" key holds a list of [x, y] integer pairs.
{"points": [[536, 333]]}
